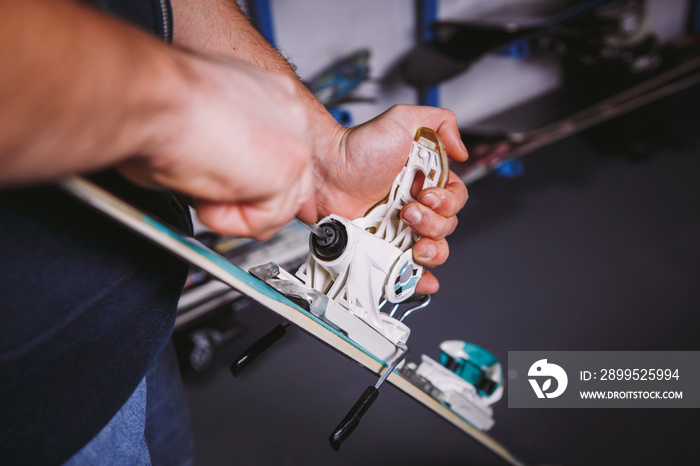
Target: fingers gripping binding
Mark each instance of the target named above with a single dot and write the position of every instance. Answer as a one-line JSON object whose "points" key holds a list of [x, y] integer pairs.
{"points": [[377, 263], [428, 156]]}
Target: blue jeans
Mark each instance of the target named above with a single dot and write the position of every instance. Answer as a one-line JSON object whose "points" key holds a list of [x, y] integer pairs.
{"points": [[151, 428]]}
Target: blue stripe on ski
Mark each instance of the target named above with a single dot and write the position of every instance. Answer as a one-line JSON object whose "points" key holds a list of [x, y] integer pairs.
{"points": [[248, 279]]}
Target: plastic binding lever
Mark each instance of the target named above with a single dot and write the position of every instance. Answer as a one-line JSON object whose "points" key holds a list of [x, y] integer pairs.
{"points": [[257, 348], [359, 263], [359, 409]]}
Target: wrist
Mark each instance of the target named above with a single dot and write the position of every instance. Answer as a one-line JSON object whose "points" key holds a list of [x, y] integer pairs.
{"points": [[327, 138]]}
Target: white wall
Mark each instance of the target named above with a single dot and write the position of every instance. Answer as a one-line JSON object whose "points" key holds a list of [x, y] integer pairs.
{"points": [[314, 33]]}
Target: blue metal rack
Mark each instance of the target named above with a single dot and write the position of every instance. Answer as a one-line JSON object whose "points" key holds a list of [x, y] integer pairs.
{"points": [[426, 15], [694, 17], [260, 14]]}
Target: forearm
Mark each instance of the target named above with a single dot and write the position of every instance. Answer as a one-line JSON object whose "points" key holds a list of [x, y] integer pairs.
{"points": [[353, 167], [79, 90], [219, 27]]}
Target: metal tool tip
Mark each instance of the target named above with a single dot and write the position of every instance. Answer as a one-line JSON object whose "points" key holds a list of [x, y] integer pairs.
{"points": [[313, 228]]}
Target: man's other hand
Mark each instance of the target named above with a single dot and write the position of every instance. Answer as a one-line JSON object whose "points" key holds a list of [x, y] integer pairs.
{"points": [[361, 163], [238, 148]]}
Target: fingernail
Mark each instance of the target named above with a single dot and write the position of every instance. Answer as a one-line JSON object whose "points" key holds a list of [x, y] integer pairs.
{"points": [[428, 251], [430, 200], [412, 215]]}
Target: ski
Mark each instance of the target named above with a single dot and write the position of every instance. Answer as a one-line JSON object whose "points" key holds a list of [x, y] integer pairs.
{"points": [[193, 252]]}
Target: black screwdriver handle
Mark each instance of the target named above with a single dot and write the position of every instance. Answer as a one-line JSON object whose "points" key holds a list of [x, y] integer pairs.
{"points": [[257, 348], [352, 419]]}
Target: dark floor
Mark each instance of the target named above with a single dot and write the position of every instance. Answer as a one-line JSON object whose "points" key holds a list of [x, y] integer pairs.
{"points": [[584, 252]]}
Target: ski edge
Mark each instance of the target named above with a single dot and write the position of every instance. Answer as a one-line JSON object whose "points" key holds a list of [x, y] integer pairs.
{"points": [[198, 255]]}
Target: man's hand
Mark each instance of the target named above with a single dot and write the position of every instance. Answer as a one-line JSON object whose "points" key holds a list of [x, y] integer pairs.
{"points": [[362, 162], [238, 148], [355, 167], [91, 92]]}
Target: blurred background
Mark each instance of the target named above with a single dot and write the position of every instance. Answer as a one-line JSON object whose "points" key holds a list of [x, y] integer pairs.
{"points": [[582, 231]]}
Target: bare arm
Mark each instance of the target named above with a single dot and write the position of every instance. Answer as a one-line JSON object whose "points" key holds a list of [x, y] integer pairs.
{"points": [[219, 27], [60, 60], [81, 91], [354, 168], [359, 163]]}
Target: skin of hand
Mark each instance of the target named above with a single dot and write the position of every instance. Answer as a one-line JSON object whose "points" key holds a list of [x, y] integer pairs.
{"points": [[362, 168], [92, 91], [227, 134], [243, 181], [354, 168]]}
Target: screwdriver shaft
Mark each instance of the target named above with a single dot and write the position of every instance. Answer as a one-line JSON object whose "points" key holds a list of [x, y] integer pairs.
{"points": [[313, 228]]}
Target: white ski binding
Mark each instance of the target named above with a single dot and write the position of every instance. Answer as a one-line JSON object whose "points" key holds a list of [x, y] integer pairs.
{"points": [[362, 264], [468, 379]]}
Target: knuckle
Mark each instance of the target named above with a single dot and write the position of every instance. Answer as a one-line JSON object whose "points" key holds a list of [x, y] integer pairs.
{"points": [[449, 204], [440, 226], [299, 113], [455, 222], [434, 226], [444, 251], [451, 116], [448, 114], [459, 196], [285, 83], [218, 221], [298, 154], [262, 235]]}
